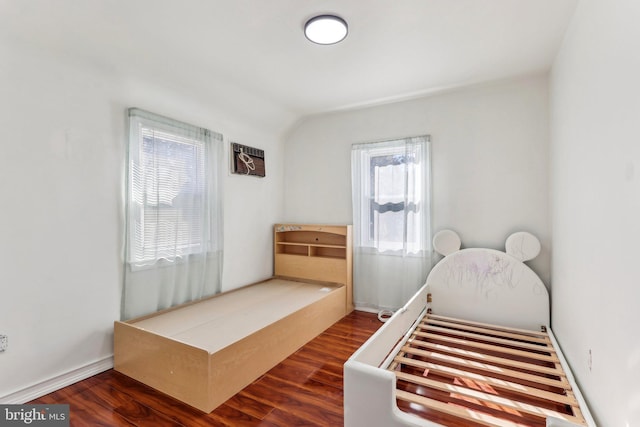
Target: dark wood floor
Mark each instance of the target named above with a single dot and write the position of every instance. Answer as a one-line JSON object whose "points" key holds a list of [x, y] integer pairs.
{"points": [[303, 390]]}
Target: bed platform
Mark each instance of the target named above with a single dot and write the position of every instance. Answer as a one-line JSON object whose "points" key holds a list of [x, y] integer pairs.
{"points": [[473, 347], [204, 352]]}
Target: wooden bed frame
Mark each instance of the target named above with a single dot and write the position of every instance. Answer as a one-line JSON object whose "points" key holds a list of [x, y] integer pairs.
{"points": [[472, 347], [204, 352]]}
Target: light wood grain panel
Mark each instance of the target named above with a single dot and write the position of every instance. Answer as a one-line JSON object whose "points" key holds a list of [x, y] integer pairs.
{"points": [[236, 366], [312, 268], [167, 365], [205, 380], [315, 252]]}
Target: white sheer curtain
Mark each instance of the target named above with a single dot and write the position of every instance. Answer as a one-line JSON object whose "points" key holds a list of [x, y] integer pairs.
{"points": [[391, 221], [173, 251]]}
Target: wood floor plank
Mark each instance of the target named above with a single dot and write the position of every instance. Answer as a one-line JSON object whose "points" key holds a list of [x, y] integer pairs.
{"points": [[313, 373], [130, 409], [283, 418], [309, 388], [250, 406], [296, 400], [325, 354], [319, 374], [85, 410], [226, 415], [184, 414], [303, 390]]}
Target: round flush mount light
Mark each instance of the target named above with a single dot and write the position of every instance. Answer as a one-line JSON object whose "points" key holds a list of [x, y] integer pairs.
{"points": [[326, 29]]}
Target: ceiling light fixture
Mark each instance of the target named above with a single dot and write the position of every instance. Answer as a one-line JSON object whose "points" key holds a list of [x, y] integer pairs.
{"points": [[326, 29]]}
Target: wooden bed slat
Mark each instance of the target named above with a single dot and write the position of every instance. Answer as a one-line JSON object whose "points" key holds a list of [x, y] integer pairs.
{"points": [[484, 379], [473, 335], [456, 411], [487, 331], [496, 370], [488, 325], [486, 397], [499, 360], [489, 347]]}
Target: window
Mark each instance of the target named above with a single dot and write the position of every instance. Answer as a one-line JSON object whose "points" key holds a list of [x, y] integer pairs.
{"points": [[391, 221], [171, 208], [393, 194]]}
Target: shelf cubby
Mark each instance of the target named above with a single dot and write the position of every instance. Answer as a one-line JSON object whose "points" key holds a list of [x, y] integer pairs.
{"points": [[316, 252]]}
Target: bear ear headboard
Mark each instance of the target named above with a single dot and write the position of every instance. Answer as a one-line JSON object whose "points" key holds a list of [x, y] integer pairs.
{"points": [[489, 286]]}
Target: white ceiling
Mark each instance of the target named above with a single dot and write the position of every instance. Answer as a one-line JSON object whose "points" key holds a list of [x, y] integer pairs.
{"points": [[395, 48]]}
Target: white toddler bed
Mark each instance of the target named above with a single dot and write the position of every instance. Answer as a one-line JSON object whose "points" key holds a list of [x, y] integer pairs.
{"points": [[472, 347]]}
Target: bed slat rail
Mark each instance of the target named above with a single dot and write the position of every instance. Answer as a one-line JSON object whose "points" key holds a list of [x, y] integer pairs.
{"points": [[456, 411], [439, 348], [490, 339], [488, 331], [487, 381], [486, 397], [497, 370], [506, 373], [488, 325], [488, 347]]}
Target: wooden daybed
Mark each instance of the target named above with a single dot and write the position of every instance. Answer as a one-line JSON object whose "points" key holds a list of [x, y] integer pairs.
{"points": [[203, 353], [473, 347]]}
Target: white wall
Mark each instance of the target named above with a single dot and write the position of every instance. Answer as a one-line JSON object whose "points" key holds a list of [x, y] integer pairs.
{"points": [[63, 139], [595, 113], [490, 147]]}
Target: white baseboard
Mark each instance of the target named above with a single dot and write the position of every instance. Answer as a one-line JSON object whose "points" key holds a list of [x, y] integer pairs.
{"points": [[56, 383]]}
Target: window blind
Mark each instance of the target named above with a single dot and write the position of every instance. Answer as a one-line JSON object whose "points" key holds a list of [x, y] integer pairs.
{"points": [[168, 198]]}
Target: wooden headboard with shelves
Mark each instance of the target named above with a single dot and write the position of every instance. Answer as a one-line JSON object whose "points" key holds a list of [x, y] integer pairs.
{"points": [[315, 252]]}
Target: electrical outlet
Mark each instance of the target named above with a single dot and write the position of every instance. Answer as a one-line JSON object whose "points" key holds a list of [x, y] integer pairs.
{"points": [[4, 343], [589, 361]]}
